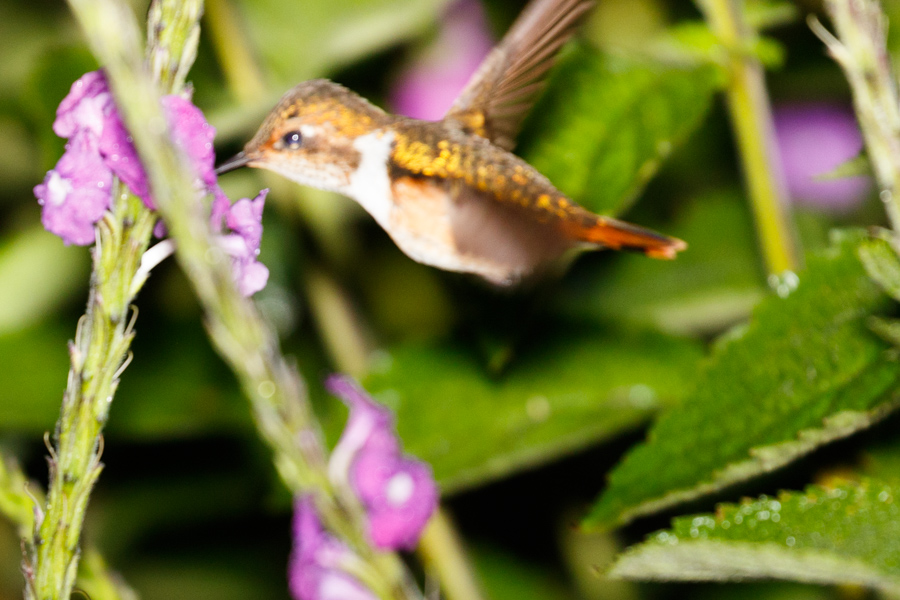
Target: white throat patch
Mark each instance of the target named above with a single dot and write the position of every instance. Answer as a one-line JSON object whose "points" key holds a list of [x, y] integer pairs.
{"points": [[370, 185]]}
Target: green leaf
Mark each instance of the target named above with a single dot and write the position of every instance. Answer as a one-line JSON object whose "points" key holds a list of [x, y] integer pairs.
{"points": [[606, 123], [847, 534], [858, 166], [37, 274], [805, 371], [695, 42], [882, 265], [886, 329], [560, 395], [712, 285], [882, 461]]}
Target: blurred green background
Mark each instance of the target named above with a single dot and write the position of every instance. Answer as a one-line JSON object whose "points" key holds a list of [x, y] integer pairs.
{"points": [[522, 401]]}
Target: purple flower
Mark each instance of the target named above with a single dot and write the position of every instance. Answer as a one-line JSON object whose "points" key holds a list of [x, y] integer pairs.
{"points": [[85, 107], [89, 110], [194, 135], [244, 219], [427, 87], [397, 492], [813, 139], [118, 151], [76, 192], [316, 567]]}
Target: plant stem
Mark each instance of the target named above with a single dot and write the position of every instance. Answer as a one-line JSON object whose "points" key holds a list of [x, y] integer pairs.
{"points": [[862, 54], [275, 389], [232, 48], [18, 497], [751, 117], [339, 325], [440, 548], [442, 551], [99, 353]]}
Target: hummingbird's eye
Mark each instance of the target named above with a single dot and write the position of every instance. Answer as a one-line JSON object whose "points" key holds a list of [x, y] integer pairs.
{"points": [[292, 140]]}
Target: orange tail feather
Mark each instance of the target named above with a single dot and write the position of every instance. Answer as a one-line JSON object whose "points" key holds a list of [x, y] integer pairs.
{"points": [[619, 235]]}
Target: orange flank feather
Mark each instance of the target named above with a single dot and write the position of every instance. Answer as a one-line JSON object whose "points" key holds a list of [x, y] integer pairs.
{"points": [[618, 235]]}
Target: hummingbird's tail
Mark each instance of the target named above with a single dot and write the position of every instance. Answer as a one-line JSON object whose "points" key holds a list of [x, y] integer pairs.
{"points": [[619, 235]]}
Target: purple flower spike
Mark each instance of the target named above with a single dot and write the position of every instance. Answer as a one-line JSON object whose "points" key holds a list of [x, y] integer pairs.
{"points": [[89, 108], [315, 567], [75, 194], [398, 492], [244, 219]]}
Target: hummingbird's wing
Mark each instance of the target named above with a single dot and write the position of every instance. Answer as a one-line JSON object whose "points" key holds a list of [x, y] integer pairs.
{"points": [[502, 91]]}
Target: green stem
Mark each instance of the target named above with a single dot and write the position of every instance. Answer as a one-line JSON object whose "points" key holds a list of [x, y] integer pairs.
{"points": [[442, 552], [862, 54], [97, 355], [440, 548], [275, 389], [751, 116], [18, 497], [100, 350], [339, 325]]}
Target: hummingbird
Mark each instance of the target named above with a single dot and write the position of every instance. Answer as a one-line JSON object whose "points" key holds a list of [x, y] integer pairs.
{"points": [[450, 193]]}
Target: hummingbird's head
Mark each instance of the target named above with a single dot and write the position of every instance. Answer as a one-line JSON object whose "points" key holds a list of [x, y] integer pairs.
{"points": [[309, 136]]}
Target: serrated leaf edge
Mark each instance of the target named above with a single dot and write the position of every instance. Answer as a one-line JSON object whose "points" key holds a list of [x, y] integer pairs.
{"points": [[652, 561], [763, 460]]}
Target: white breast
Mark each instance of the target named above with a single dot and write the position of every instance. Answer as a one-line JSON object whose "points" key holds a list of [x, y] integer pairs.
{"points": [[370, 185]]}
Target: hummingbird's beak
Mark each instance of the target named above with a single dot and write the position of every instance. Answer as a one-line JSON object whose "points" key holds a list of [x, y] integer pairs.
{"points": [[238, 160]]}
